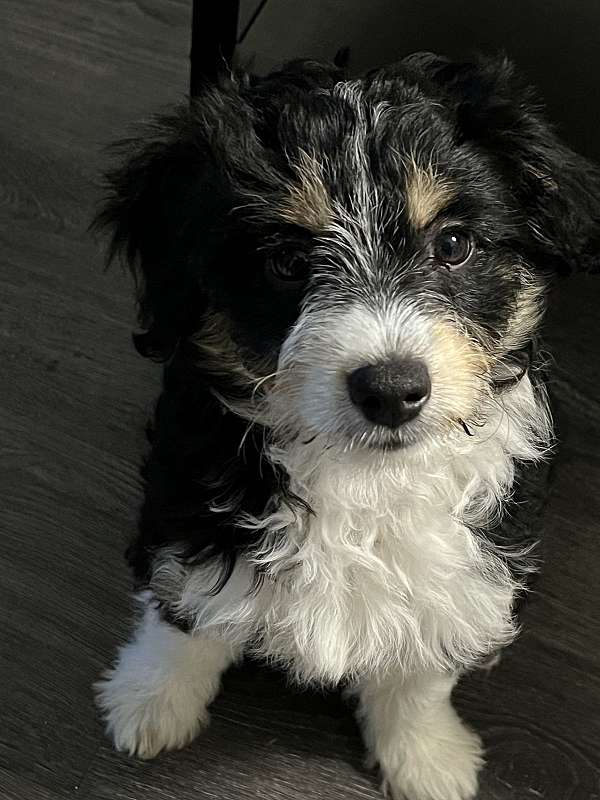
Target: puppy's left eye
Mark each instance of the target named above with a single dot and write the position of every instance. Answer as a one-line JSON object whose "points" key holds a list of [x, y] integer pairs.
{"points": [[453, 247], [293, 268]]}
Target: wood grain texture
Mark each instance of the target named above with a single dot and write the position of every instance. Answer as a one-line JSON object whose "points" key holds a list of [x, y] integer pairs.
{"points": [[73, 400]]}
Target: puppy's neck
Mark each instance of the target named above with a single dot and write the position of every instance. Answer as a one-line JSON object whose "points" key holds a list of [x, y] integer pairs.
{"points": [[447, 474]]}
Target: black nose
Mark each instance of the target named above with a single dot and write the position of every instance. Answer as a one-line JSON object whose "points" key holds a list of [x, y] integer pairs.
{"points": [[391, 392]]}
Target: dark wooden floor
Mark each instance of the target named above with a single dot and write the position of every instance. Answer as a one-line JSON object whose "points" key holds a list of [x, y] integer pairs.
{"points": [[73, 397]]}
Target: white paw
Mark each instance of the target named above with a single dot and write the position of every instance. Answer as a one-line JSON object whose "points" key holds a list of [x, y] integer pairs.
{"points": [[435, 764], [145, 717]]}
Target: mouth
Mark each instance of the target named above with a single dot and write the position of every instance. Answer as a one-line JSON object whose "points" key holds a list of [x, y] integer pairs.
{"points": [[383, 441], [391, 446], [386, 440]]}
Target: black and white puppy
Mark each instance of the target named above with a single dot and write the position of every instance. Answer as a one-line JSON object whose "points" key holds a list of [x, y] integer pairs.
{"points": [[345, 279]]}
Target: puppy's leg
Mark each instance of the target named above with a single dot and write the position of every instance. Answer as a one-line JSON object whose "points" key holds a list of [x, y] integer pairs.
{"points": [[156, 696], [423, 749]]}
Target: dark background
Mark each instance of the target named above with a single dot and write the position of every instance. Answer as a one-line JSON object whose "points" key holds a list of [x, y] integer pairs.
{"points": [[74, 396]]}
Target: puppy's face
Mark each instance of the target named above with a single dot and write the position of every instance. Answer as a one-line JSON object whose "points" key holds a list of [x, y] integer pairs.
{"points": [[383, 284], [356, 260]]}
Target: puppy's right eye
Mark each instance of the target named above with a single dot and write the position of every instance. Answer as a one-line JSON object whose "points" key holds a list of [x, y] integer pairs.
{"points": [[453, 247], [293, 268]]}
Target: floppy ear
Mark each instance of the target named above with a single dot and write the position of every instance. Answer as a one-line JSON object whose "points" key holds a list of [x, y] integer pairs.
{"points": [[164, 204], [558, 190]]}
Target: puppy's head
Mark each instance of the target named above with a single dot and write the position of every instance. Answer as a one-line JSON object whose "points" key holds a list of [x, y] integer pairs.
{"points": [[360, 260]]}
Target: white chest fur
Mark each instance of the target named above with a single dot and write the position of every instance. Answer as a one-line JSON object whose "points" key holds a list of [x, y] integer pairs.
{"points": [[386, 573], [386, 578]]}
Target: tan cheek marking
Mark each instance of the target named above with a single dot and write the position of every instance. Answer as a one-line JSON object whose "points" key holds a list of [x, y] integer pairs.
{"points": [[308, 203], [526, 317], [219, 354], [426, 196], [458, 371]]}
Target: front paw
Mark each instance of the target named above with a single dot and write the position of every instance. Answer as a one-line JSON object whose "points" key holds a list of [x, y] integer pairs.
{"points": [[438, 763], [143, 718]]}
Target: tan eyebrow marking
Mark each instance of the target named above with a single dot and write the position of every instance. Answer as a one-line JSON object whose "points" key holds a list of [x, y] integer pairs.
{"points": [[308, 203], [426, 195]]}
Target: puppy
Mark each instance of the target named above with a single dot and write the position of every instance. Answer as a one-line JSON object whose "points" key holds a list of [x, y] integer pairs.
{"points": [[345, 280]]}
